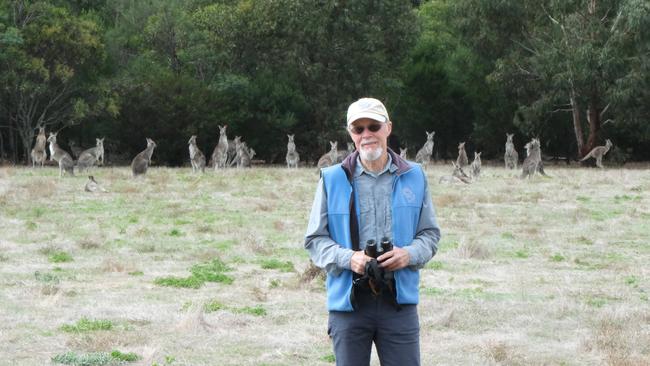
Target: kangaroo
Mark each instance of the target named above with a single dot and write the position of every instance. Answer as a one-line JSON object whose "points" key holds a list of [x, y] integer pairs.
{"points": [[39, 152], [511, 157], [74, 149], [598, 152], [220, 153], [423, 155], [475, 168], [540, 166], [342, 154], [197, 159], [457, 176], [402, 152], [328, 158], [66, 164], [243, 154], [531, 164], [93, 186], [141, 162], [293, 158], [462, 160], [89, 157]]}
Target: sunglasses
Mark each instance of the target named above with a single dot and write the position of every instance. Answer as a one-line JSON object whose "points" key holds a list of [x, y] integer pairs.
{"points": [[358, 130]]}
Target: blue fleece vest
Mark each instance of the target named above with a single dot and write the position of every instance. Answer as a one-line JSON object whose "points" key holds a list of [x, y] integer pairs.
{"points": [[407, 200]]}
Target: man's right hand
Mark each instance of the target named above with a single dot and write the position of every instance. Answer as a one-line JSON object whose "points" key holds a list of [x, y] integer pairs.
{"points": [[358, 262]]}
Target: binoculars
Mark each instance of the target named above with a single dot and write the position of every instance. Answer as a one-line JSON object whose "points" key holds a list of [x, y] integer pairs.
{"points": [[371, 251]]}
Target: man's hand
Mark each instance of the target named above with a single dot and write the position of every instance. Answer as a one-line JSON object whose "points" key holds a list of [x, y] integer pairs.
{"points": [[397, 258], [358, 262]]}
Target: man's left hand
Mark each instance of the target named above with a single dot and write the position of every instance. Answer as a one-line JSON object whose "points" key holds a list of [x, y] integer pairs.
{"points": [[397, 258]]}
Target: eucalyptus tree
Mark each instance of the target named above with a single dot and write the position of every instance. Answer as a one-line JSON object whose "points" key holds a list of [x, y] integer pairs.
{"points": [[558, 56], [49, 62]]}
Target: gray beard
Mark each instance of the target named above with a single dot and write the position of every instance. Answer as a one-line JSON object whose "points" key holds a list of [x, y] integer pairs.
{"points": [[371, 155]]}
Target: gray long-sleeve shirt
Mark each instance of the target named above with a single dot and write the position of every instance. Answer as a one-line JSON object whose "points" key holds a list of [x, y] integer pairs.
{"points": [[375, 221]]}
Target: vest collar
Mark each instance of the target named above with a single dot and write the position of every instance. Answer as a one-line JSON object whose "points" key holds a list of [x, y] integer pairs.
{"points": [[350, 163]]}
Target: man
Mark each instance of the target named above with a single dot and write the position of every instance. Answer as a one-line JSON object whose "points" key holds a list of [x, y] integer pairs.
{"points": [[373, 194]]}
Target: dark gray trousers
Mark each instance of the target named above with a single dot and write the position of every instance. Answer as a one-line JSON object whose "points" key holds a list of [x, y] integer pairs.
{"points": [[396, 334]]}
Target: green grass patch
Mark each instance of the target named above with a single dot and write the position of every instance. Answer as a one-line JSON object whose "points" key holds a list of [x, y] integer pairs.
{"points": [[213, 306], [329, 358], [255, 310], [277, 264], [201, 273], [60, 257], [523, 254], [87, 325], [95, 358], [557, 257], [435, 265], [48, 278], [632, 281], [507, 235], [136, 273], [583, 199], [179, 282], [175, 232], [124, 357]]}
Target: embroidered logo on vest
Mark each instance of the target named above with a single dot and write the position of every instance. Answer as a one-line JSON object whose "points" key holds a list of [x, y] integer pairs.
{"points": [[408, 195]]}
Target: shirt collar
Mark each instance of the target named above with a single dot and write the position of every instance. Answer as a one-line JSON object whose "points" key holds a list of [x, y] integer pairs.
{"points": [[390, 167]]}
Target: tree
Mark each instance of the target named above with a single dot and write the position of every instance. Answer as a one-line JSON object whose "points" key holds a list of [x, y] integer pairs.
{"points": [[562, 56], [48, 67]]}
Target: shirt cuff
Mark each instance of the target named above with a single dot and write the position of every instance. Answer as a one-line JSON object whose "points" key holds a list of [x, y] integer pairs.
{"points": [[344, 256]]}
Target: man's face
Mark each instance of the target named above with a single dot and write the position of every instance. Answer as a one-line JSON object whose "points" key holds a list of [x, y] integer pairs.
{"points": [[370, 144]]}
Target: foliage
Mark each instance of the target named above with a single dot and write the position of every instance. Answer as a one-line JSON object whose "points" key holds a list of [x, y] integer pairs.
{"points": [[87, 325]]}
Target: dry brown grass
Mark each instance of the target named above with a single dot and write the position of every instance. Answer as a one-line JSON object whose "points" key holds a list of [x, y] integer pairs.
{"points": [[535, 272]]}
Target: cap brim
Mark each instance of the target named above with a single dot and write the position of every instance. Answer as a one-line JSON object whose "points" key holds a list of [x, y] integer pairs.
{"points": [[375, 116]]}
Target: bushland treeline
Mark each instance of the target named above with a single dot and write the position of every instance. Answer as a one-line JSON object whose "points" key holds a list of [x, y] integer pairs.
{"points": [[571, 72]]}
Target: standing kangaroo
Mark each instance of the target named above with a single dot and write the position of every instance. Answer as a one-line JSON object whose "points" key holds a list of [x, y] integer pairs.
{"points": [[475, 168], [328, 158], [39, 153], [598, 152], [197, 159], [89, 157], [141, 162], [244, 155], [342, 154], [423, 155], [462, 160], [540, 166], [457, 176], [511, 157], [60, 156], [531, 164], [293, 158], [402, 152], [220, 153]]}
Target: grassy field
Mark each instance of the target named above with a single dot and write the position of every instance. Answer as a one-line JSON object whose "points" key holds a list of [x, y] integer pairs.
{"points": [[183, 269]]}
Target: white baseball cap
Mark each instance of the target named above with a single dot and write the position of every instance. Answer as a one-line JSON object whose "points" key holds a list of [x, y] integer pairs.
{"points": [[367, 108]]}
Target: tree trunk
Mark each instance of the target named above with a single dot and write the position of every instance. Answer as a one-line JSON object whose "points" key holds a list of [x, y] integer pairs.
{"points": [[26, 137], [577, 125], [593, 116]]}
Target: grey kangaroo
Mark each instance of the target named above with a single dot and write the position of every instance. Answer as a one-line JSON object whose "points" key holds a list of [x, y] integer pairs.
{"points": [[598, 152], [531, 164], [197, 159], [293, 158], [511, 157], [475, 168], [342, 154], [89, 157], [220, 153], [328, 158], [141, 162], [66, 164], [423, 155], [540, 166], [39, 153], [457, 176], [462, 160]]}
